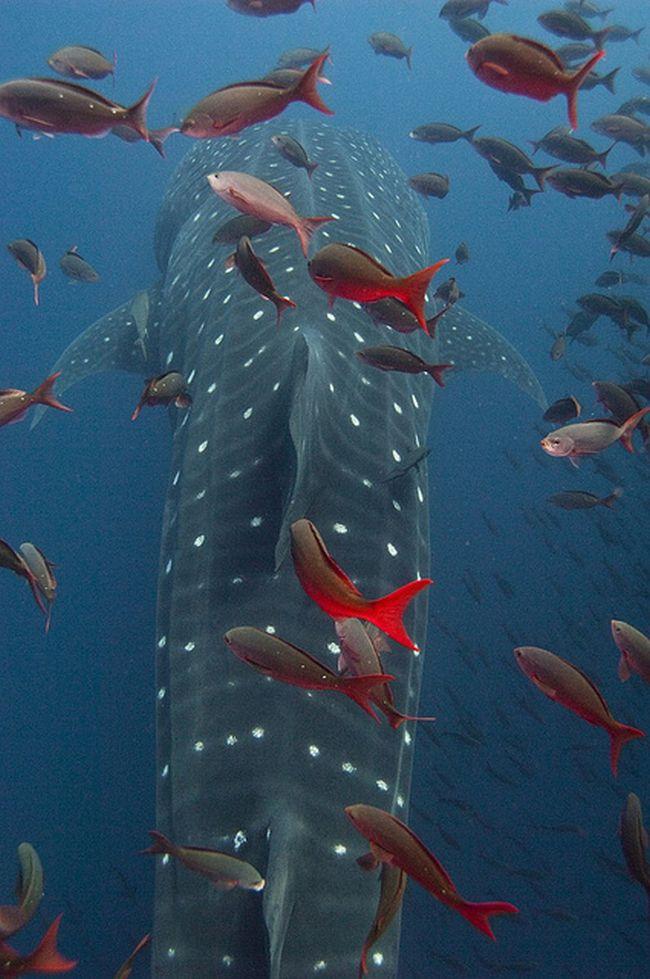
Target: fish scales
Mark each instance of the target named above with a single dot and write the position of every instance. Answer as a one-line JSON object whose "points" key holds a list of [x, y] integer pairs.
{"points": [[284, 424]]}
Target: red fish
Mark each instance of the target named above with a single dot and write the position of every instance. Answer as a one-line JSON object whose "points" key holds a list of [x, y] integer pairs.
{"points": [[45, 957], [392, 842], [14, 403], [522, 66], [329, 586], [347, 272], [126, 968]]}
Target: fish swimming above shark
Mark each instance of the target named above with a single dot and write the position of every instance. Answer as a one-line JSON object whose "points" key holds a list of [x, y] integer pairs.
{"points": [[284, 426]]}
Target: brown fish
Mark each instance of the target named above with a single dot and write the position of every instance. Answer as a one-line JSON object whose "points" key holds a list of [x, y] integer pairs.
{"points": [[267, 8], [29, 889], [294, 152], [231, 109], [126, 968], [166, 389], [347, 272], [634, 842], [581, 500], [430, 184], [393, 885], [563, 410], [382, 42], [43, 571], [14, 403], [398, 359], [277, 658], [256, 197], [76, 267], [32, 260], [570, 687], [253, 270], [231, 231], [222, 870], [462, 253], [77, 61], [635, 651], [50, 106], [13, 561]]}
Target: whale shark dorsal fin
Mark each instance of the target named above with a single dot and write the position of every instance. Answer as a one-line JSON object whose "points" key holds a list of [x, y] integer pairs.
{"points": [[124, 340]]}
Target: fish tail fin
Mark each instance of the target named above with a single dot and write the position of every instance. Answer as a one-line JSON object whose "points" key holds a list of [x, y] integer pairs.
{"points": [[541, 173], [46, 956], [136, 116], [627, 428], [602, 157], [637, 34], [529, 193], [610, 500], [279, 893], [413, 289], [396, 718], [359, 688], [408, 58], [478, 913], [305, 88], [44, 393], [281, 303], [387, 612], [535, 144], [157, 138], [306, 228], [620, 734], [433, 321], [574, 83], [136, 411], [437, 370], [310, 169], [161, 844], [469, 133], [608, 80]]}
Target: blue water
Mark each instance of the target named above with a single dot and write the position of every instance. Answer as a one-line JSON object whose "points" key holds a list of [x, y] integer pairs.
{"points": [[77, 732]]}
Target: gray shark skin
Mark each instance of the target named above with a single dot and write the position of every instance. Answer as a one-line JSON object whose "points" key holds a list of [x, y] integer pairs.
{"points": [[285, 423]]}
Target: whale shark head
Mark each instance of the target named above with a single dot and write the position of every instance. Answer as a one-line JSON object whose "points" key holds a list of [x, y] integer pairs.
{"points": [[285, 423]]}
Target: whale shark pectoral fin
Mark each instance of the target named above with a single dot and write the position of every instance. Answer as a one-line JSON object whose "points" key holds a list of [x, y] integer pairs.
{"points": [[473, 345], [303, 430], [124, 340], [279, 893]]}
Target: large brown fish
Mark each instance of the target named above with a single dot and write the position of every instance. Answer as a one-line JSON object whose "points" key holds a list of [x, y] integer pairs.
{"points": [[254, 272], [32, 260], [50, 106], [392, 842], [231, 109], [329, 586], [256, 197], [166, 389], [347, 272], [522, 66], [634, 648], [221, 869], [14, 403], [570, 687], [78, 61], [398, 359]]}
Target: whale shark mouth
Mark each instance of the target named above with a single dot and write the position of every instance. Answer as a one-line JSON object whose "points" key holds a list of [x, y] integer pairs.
{"points": [[284, 424]]}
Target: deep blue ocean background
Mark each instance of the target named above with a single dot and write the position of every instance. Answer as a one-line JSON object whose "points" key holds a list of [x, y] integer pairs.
{"points": [[513, 794]]}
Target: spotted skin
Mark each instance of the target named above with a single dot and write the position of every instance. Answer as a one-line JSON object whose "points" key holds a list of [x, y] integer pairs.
{"points": [[284, 425]]}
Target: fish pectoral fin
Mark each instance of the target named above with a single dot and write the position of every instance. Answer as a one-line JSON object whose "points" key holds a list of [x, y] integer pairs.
{"points": [[381, 855], [623, 668], [234, 195], [544, 687], [490, 68], [574, 462], [368, 861]]}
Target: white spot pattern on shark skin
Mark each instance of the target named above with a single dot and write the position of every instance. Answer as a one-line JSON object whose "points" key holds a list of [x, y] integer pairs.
{"points": [[239, 839], [199, 541], [340, 528], [392, 550], [340, 849], [396, 456], [162, 642], [203, 446], [377, 958], [256, 521], [258, 732], [161, 693], [199, 746], [355, 421], [314, 750], [165, 771]]}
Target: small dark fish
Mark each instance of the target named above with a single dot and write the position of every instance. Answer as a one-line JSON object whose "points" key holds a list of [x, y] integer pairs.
{"points": [[77, 267], [14, 404], [522, 66], [641, 103], [298, 57], [562, 410], [467, 29], [50, 106], [593, 80], [509, 157], [294, 152], [267, 8], [560, 144], [634, 245], [565, 23], [221, 869], [403, 361], [166, 389], [599, 304], [580, 322], [254, 272], [576, 51], [32, 260], [515, 181], [462, 253], [575, 182], [43, 571], [611, 278], [391, 312], [455, 9], [77, 61], [558, 347], [619, 32], [231, 231], [126, 968], [624, 129], [636, 218], [430, 184], [634, 842], [521, 199], [581, 500], [642, 73], [448, 292], [391, 45], [442, 132]]}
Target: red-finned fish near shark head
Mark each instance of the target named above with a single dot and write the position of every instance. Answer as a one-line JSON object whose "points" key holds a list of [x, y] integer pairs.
{"points": [[590, 437], [44, 958], [256, 197], [281, 660], [567, 685], [235, 107], [32, 260], [521, 66], [388, 358], [392, 842], [329, 586], [167, 389], [14, 403], [346, 272]]}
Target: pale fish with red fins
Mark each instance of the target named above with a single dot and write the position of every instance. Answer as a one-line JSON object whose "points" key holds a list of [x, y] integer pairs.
{"points": [[634, 648], [392, 842], [329, 586], [522, 66], [14, 403], [221, 869], [567, 685], [29, 255], [392, 886], [587, 438]]}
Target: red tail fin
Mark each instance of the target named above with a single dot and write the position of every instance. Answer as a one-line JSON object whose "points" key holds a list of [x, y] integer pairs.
{"points": [[305, 88], [437, 370], [136, 116], [478, 913], [627, 428], [359, 687], [412, 290], [619, 735], [575, 81], [46, 956], [160, 843], [44, 393], [386, 613], [305, 229], [396, 718], [281, 303]]}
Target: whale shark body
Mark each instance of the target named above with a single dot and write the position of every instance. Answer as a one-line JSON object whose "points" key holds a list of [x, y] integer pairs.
{"points": [[285, 423]]}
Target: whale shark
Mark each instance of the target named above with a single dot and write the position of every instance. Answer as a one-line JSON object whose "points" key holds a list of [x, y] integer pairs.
{"points": [[285, 423]]}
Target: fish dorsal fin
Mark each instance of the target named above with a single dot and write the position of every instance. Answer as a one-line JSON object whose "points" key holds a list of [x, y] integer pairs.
{"points": [[331, 563], [262, 83], [80, 90], [591, 684], [540, 48]]}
